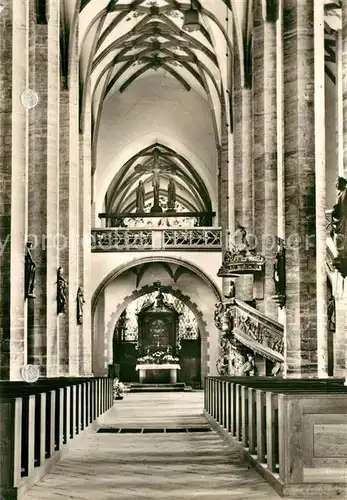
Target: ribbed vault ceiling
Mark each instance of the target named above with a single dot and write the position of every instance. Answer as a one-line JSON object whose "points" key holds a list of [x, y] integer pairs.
{"points": [[122, 41], [191, 190]]}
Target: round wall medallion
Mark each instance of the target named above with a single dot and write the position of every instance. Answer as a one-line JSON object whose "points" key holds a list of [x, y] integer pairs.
{"points": [[29, 98], [30, 373]]}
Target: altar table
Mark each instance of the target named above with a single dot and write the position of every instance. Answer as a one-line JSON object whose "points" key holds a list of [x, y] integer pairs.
{"points": [[142, 369]]}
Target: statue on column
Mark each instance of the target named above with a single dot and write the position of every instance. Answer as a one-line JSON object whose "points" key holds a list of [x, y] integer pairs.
{"points": [[241, 241], [80, 301], [30, 273], [140, 197], [61, 291], [171, 196], [339, 225], [331, 313], [279, 275]]}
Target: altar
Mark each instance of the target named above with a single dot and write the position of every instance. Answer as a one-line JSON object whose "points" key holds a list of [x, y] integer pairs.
{"points": [[155, 367]]}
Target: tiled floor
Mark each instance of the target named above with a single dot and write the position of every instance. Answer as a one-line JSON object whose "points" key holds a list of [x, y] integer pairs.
{"points": [[170, 466]]}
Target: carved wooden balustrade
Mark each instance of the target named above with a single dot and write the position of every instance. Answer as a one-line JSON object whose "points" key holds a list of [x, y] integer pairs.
{"points": [[133, 239], [39, 420], [241, 322], [257, 331], [294, 431]]}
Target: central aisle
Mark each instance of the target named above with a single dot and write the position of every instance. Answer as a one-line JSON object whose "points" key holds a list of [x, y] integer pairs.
{"points": [[186, 461]]}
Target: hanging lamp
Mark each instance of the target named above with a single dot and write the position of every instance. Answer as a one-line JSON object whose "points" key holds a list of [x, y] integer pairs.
{"points": [[191, 19]]}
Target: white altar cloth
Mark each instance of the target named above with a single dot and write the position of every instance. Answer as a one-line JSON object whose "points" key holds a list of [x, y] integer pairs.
{"points": [[143, 368]]}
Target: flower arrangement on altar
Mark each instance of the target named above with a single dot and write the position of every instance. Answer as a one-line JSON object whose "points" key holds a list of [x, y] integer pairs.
{"points": [[158, 357]]}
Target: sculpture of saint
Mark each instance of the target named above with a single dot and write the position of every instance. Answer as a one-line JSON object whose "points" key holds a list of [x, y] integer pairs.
{"points": [[171, 195], [339, 216], [156, 182], [241, 242], [30, 272], [331, 309], [277, 370], [232, 292], [61, 291], [279, 271], [140, 197], [156, 186], [80, 301], [249, 367]]}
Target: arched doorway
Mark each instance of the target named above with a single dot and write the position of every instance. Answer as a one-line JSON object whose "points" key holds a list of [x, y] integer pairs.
{"points": [[130, 281], [137, 334]]}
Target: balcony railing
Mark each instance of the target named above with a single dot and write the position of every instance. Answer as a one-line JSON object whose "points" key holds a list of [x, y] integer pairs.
{"points": [[125, 239], [39, 420], [292, 431]]}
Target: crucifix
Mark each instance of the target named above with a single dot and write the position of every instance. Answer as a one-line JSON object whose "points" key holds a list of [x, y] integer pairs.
{"points": [[156, 168]]}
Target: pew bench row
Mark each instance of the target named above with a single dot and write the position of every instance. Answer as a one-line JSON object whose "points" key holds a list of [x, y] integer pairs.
{"points": [[38, 421], [295, 437]]}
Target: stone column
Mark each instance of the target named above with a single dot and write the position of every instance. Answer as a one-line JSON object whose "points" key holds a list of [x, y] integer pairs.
{"points": [[344, 84], [223, 194], [52, 217], [243, 171], [340, 334], [37, 198], [5, 185], [63, 235], [265, 148], [280, 134], [343, 338], [299, 185], [85, 353], [18, 174], [74, 207], [319, 238], [69, 216]]}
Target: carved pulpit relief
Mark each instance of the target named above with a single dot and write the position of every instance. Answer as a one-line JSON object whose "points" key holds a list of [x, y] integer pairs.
{"points": [[249, 368], [241, 257], [339, 226], [278, 369]]}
